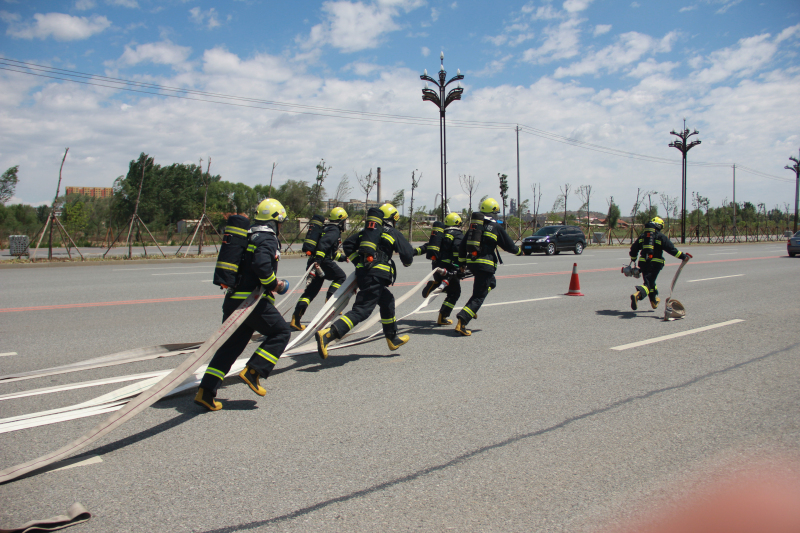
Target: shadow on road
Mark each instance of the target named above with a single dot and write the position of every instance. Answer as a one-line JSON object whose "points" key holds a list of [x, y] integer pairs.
{"points": [[626, 314]]}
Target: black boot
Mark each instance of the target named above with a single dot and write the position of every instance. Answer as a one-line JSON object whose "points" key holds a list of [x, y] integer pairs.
{"points": [[205, 398], [324, 338]]}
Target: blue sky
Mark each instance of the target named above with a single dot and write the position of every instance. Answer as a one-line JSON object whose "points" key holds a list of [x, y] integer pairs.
{"points": [[614, 74]]}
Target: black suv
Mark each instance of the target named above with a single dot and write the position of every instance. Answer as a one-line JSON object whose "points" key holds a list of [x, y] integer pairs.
{"points": [[554, 239]]}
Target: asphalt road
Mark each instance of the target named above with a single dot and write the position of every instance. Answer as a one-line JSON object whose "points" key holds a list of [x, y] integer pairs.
{"points": [[534, 423]]}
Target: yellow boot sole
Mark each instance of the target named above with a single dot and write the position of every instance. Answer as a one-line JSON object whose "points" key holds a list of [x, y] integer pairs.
{"points": [[203, 402], [250, 377], [393, 347], [461, 328]]}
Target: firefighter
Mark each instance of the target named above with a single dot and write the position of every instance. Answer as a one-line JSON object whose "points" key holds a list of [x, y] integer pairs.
{"points": [[259, 265], [650, 247], [478, 252], [323, 258], [445, 257], [375, 272]]}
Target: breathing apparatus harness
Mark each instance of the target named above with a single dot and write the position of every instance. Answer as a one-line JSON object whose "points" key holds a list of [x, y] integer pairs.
{"points": [[477, 244]]}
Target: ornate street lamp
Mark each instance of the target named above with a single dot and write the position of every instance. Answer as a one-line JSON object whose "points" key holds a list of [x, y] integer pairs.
{"points": [[684, 146], [441, 101]]}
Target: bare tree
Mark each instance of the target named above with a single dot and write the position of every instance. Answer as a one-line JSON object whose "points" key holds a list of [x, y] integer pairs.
{"points": [[670, 205], [636, 205], [468, 185], [585, 193], [537, 202], [343, 190], [366, 183], [564, 195], [270, 178], [414, 185]]}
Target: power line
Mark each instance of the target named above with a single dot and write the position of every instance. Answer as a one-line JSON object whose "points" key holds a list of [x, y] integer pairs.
{"points": [[43, 71]]}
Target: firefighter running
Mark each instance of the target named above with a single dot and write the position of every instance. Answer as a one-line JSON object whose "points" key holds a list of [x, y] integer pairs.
{"points": [[650, 247], [478, 252], [323, 254], [371, 251], [259, 265], [442, 249]]}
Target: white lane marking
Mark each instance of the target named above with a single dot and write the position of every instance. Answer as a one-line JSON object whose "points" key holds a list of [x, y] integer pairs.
{"points": [[725, 253], [675, 335], [7, 354], [518, 264], [501, 303], [721, 277], [154, 268], [179, 273], [86, 462]]}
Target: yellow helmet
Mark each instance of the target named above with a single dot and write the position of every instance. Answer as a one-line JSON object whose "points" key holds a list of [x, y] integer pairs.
{"points": [[390, 212], [658, 223], [270, 209], [337, 214], [490, 206], [452, 219]]}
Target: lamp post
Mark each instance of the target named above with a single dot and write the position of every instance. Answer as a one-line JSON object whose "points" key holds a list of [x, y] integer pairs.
{"points": [[441, 101], [796, 169], [684, 146]]}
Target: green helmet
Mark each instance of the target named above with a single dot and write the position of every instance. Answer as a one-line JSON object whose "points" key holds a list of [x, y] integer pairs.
{"points": [[490, 206], [337, 214], [452, 219], [270, 209]]}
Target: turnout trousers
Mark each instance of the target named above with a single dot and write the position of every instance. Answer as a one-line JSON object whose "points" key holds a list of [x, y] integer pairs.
{"points": [[483, 285], [649, 288], [453, 292], [332, 272], [372, 291], [264, 319]]}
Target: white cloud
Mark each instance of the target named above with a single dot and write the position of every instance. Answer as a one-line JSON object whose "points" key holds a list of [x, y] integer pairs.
{"points": [[560, 42], [426, 51], [133, 4], [84, 5], [546, 12], [687, 8], [204, 18], [635, 4], [60, 26], [493, 67], [454, 5], [575, 6], [650, 67], [628, 49], [354, 26], [600, 29], [434, 14], [749, 55], [162, 53], [727, 5], [7, 17]]}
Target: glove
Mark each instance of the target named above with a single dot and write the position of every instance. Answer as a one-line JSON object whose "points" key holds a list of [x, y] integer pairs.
{"points": [[685, 256]]}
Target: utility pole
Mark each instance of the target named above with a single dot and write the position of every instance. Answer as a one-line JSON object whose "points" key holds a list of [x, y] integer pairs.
{"points": [[734, 196], [796, 169], [519, 213], [684, 146]]}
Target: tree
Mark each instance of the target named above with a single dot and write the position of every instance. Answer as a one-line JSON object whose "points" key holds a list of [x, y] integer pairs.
{"points": [[399, 198], [564, 195], [366, 183], [8, 184], [414, 185], [585, 193], [537, 202], [670, 205], [613, 214], [468, 185], [343, 190], [322, 173], [503, 192]]}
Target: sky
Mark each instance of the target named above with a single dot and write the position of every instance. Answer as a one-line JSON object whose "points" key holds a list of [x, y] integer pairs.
{"points": [[595, 87]]}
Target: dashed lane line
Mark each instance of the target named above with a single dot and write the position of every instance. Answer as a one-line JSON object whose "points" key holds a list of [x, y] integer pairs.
{"points": [[501, 303], [6, 354], [675, 335], [720, 277], [180, 273]]}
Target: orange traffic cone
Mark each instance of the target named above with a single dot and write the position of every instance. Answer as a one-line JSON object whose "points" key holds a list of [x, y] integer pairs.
{"points": [[574, 283]]}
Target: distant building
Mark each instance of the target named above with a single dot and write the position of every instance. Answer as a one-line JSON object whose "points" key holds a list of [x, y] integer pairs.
{"points": [[95, 192], [352, 206]]}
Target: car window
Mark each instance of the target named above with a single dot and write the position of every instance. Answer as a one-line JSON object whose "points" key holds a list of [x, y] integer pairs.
{"points": [[797, 234], [547, 230]]}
